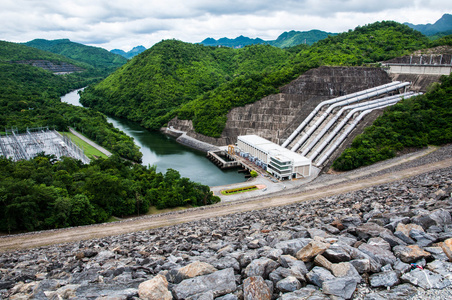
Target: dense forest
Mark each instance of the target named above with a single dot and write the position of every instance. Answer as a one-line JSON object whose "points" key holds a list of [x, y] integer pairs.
{"points": [[30, 97], [102, 60], [203, 83], [412, 123], [44, 193]]}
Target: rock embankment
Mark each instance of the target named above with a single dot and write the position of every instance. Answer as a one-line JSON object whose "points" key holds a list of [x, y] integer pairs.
{"points": [[392, 241]]}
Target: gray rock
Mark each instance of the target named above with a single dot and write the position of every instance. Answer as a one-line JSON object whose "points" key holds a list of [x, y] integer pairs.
{"points": [[304, 293], [392, 239], [254, 287], [340, 287], [203, 296], [379, 242], [225, 263], [318, 275], [426, 279], [400, 292], [368, 230], [422, 239], [291, 262], [402, 267], [404, 238], [220, 283], [361, 265], [441, 267], [261, 267], [337, 253], [346, 269], [271, 253], [442, 217], [291, 247], [227, 297], [288, 284], [380, 255], [437, 253], [423, 220], [384, 279]]}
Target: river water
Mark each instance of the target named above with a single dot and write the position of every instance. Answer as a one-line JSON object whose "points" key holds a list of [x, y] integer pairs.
{"points": [[164, 152]]}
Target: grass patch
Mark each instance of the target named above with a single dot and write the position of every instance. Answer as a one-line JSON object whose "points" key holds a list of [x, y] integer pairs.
{"points": [[89, 150], [239, 190], [154, 211]]}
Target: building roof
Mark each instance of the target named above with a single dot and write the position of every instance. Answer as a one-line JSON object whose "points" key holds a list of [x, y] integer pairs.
{"points": [[274, 150]]}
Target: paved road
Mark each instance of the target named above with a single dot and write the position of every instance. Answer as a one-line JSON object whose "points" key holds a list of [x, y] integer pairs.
{"points": [[313, 191], [100, 148]]}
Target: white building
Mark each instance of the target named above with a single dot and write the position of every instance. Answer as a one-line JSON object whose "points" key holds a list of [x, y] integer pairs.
{"points": [[280, 162]]}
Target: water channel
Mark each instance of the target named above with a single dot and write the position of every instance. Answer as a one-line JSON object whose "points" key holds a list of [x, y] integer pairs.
{"points": [[165, 152]]}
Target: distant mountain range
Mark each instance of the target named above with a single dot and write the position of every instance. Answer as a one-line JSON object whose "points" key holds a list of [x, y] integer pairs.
{"points": [[442, 25], [135, 51], [285, 40]]}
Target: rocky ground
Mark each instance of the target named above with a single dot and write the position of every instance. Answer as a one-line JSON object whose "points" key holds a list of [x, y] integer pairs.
{"points": [[389, 241]]}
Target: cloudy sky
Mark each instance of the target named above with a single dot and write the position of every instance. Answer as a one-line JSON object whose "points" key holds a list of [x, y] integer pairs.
{"points": [[124, 24]]}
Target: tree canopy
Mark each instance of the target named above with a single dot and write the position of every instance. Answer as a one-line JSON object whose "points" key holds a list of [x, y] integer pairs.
{"points": [[202, 83]]}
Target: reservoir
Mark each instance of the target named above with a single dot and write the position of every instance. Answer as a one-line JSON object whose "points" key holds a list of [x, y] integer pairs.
{"points": [[164, 152]]}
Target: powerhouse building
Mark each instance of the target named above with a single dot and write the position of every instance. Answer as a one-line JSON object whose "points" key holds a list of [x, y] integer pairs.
{"points": [[280, 162]]}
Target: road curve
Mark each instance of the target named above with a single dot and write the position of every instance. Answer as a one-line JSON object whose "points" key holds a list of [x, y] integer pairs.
{"points": [[313, 191]]}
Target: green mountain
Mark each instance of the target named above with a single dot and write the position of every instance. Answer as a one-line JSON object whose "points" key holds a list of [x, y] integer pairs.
{"points": [[294, 38], [202, 84], [99, 58], [135, 51], [443, 24], [285, 40], [30, 97], [238, 42]]}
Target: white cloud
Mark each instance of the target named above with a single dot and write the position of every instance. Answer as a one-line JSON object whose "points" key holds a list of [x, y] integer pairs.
{"points": [[127, 23]]}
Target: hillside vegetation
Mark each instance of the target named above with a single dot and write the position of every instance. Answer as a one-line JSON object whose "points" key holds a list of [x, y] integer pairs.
{"points": [[99, 58], [203, 83], [44, 193], [30, 97]]}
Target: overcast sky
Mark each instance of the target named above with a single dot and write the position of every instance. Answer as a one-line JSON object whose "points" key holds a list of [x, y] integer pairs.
{"points": [[124, 24]]}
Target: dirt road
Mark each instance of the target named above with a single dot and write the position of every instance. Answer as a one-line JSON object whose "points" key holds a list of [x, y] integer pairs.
{"points": [[313, 191]]}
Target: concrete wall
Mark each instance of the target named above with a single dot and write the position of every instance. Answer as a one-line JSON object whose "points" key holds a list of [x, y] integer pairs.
{"points": [[420, 69]]}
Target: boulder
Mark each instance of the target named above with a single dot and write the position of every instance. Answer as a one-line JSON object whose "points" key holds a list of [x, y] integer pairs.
{"points": [[410, 254], [318, 275], [400, 292], [345, 269], [288, 284], [220, 283], [380, 255], [426, 279], [261, 267], [291, 247], [339, 287], [312, 249], [255, 288], [447, 248], [384, 279], [195, 269], [155, 289], [304, 293]]}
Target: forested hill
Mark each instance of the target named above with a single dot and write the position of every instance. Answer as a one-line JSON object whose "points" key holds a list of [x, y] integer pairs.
{"points": [[97, 57], [203, 83], [30, 97], [43, 193]]}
